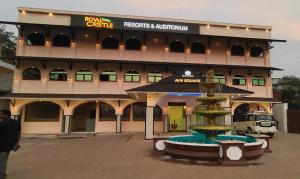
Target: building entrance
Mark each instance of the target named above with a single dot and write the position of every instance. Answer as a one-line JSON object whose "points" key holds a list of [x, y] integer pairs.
{"points": [[177, 120]]}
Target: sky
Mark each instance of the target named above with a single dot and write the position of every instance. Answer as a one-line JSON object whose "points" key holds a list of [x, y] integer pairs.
{"points": [[282, 15]]}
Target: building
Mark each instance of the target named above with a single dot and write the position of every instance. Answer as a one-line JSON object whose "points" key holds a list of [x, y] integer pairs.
{"points": [[108, 73]]}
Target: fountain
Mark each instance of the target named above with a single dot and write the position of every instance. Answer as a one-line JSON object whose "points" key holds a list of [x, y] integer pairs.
{"points": [[209, 142]]}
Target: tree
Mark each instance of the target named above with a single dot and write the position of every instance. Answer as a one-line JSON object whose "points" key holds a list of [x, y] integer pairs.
{"points": [[8, 42], [291, 91]]}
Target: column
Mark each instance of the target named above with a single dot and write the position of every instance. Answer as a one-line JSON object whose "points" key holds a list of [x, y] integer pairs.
{"points": [[188, 121], [149, 123], [166, 123], [67, 124], [119, 123]]}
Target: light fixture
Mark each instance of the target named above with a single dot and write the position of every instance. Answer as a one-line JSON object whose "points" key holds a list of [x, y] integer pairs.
{"points": [[98, 45], [23, 12], [267, 30], [208, 51], [155, 40], [50, 14], [247, 28], [208, 26], [86, 35], [228, 27], [166, 49], [144, 47], [228, 52], [188, 50]]}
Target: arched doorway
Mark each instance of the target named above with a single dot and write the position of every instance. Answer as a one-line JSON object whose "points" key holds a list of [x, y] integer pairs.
{"points": [[248, 108], [84, 117]]}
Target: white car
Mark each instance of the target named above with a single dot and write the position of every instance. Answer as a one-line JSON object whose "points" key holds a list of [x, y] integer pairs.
{"points": [[260, 123]]}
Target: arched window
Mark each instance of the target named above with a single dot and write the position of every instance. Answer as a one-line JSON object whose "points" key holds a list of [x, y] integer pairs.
{"points": [[237, 50], [110, 43], [154, 77], [107, 112], [35, 39], [58, 75], [257, 51], [258, 80], [31, 74], [84, 75], [133, 44], [177, 46], [219, 78], [132, 76], [108, 75], [239, 80], [43, 111], [138, 110], [198, 47], [61, 40]]}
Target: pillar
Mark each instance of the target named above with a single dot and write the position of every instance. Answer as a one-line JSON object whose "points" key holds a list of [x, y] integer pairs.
{"points": [[149, 124], [119, 123], [166, 123], [188, 121], [67, 128]]}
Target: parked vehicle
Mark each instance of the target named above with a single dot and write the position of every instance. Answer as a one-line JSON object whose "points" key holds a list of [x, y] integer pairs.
{"points": [[258, 122]]}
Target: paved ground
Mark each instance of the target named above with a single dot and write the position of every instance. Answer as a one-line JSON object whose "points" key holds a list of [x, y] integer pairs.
{"points": [[129, 157]]}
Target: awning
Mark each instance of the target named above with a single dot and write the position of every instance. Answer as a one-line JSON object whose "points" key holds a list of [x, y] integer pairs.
{"points": [[65, 96], [183, 84], [257, 99]]}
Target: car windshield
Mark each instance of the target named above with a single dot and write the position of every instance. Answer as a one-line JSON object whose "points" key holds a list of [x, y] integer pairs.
{"points": [[263, 117]]}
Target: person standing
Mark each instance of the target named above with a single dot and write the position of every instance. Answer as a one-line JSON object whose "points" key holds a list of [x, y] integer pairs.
{"points": [[10, 133]]}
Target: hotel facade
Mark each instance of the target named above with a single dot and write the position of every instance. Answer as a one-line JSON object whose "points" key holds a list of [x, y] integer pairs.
{"points": [[108, 73]]}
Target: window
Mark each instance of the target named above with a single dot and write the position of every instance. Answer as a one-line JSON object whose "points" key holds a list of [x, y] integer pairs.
{"points": [[42, 112], [132, 44], [58, 75], [139, 111], [258, 81], [108, 75], [107, 112], [177, 46], [61, 40], [219, 78], [239, 80], [132, 76], [35, 39], [110, 43], [237, 50], [31, 74], [126, 113], [154, 77], [257, 52], [198, 47], [84, 75]]}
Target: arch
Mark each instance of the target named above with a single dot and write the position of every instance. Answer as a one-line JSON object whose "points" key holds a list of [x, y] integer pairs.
{"points": [[61, 40], [84, 75], [84, 116], [139, 112], [258, 80], [58, 75], [237, 50], [35, 39], [106, 112], [220, 78], [257, 52], [110, 43], [198, 47], [31, 74], [177, 46], [42, 111], [108, 75], [132, 76], [239, 80], [133, 44], [154, 77]]}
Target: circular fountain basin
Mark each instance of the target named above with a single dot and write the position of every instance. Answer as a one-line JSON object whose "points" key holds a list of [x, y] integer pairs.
{"points": [[195, 147]]}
